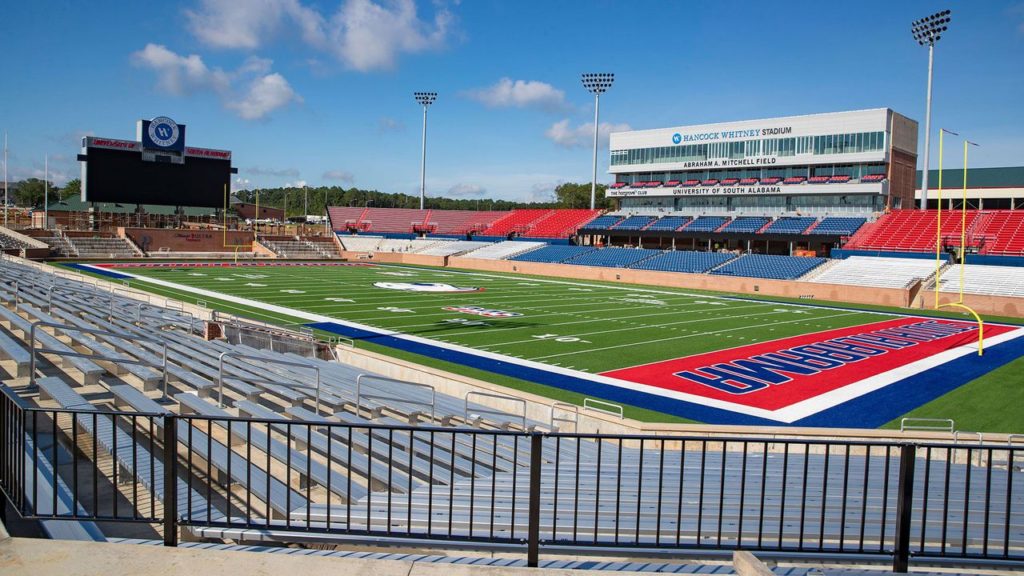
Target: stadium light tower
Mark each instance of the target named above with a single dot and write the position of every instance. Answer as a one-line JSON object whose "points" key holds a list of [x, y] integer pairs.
{"points": [[425, 99], [5, 179], [596, 84], [927, 32]]}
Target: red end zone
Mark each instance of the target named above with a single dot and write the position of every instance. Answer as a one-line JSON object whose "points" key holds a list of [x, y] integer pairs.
{"points": [[780, 373]]}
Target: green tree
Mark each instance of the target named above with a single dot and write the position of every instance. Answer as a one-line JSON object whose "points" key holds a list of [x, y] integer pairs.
{"points": [[573, 195], [30, 192], [72, 188]]}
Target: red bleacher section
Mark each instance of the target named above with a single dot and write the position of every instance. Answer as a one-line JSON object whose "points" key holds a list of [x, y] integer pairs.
{"points": [[534, 223], [992, 232]]}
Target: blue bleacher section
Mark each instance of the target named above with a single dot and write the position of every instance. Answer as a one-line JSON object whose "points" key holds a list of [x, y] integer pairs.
{"points": [[669, 223], [706, 224], [634, 223], [746, 224], [685, 261], [602, 222], [790, 225], [843, 226], [613, 257], [764, 266], [553, 254]]}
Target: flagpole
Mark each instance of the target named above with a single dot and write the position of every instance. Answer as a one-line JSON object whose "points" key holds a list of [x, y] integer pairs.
{"points": [[5, 179]]}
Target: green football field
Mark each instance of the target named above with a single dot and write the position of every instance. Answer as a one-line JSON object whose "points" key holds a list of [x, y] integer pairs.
{"points": [[579, 328]]}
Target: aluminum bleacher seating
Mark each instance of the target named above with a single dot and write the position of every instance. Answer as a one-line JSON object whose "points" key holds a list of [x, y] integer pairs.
{"points": [[684, 261], [875, 271], [503, 250], [360, 243], [839, 225], [669, 223], [790, 225], [613, 257], [764, 266], [453, 248], [706, 224], [746, 224], [985, 280], [553, 253]]}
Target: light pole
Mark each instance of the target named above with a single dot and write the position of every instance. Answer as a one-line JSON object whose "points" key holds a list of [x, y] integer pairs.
{"points": [[46, 192], [425, 99], [5, 179], [596, 84], [927, 32], [305, 202]]}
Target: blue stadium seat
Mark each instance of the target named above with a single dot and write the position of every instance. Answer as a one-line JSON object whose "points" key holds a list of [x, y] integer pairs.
{"points": [[603, 222], [790, 225], [634, 223], [669, 223], [684, 261], [746, 224], [841, 226], [776, 267], [613, 257], [706, 224], [553, 253]]}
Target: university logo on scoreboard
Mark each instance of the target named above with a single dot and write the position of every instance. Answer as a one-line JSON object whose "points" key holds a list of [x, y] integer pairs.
{"points": [[805, 374], [481, 311], [162, 133]]}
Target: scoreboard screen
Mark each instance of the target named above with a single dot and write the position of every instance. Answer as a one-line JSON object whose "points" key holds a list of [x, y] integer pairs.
{"points": [[121, 175]]}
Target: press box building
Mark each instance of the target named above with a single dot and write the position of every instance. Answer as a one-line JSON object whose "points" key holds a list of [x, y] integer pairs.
{"points": [[859, 162]]}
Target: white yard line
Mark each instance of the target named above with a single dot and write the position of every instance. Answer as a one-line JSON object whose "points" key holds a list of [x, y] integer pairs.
{"points": [[631, 344]]}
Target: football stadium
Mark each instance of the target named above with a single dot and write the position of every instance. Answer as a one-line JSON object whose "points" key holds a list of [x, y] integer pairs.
{"points": [[781, 345]]}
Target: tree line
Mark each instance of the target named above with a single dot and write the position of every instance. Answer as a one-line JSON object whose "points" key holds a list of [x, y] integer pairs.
{"points": [[567, 195], [29, 193]]}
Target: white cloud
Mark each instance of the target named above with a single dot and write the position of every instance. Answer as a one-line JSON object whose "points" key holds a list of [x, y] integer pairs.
{"points": [[362, 34], [463, 190], [264, 91], [180, 75], [264, 94], [565, 135], [542, 192], [296, 184], [520, 94], [278, 173], [339, 175]]}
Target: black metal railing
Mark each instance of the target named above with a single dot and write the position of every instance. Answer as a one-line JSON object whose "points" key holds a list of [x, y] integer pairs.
{"points": [[216, 475]]}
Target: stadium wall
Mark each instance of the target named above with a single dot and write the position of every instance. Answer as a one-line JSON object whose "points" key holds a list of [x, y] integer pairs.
{"points": [[185, 240], [762, 286]]}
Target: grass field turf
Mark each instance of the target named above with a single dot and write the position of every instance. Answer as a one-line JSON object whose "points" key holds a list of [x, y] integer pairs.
{"points": [[587, 326]]}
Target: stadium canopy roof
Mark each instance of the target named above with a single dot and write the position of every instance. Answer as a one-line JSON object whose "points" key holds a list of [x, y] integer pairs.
{"points": [[75, 204], [1005, 177]]}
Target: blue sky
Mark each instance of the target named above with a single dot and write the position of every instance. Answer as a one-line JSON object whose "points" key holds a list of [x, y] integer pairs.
{"points": [[321, 91]]}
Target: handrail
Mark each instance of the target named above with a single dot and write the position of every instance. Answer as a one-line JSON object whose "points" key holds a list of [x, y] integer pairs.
{"points": [[948, 427], [956, 436], [588, 405], [465, 412], [575, 420], [360, 395], [240, 356], [96, 332]]}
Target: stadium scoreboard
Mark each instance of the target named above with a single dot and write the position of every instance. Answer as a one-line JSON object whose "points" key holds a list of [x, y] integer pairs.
{"points": [[155, 168]]}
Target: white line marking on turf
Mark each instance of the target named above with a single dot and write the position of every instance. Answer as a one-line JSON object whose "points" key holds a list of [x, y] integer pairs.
{"points": [[644, 388]]}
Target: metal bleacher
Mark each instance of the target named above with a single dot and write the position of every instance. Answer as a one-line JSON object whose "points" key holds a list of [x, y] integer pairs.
{"points": [[281, 456]]}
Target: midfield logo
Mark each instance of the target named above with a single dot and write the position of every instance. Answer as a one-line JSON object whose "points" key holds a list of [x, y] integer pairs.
{"points": [[481, 311]]}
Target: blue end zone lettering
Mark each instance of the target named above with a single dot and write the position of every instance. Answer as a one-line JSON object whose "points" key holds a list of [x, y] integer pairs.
{"points": [[725, 381]]}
